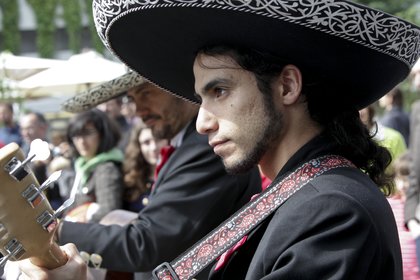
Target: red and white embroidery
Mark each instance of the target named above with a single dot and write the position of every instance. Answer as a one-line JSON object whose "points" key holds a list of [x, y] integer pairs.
{"points": [[231, 234]]}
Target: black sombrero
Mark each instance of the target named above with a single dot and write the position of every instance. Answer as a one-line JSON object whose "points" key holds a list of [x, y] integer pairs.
{"points": [[363, 51], [102, 93]]}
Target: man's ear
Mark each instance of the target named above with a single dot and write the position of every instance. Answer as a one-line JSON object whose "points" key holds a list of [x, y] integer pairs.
{"points": [[290, 79]]}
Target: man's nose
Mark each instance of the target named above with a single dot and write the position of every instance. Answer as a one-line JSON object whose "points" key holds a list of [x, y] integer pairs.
{"points": [[142, 110], [206, 122]]}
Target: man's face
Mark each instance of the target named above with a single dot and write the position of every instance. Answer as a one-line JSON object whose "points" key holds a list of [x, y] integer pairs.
{"points": [[159, 110], [32, 129], [241, 127], [112, 108], [6, 116]]}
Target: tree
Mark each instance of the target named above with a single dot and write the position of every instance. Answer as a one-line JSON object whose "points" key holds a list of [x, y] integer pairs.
{"points": [[406, 9], [11, 38]]}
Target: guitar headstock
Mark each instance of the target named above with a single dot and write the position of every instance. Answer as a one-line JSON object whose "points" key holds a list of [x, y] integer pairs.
{"points": [[27, 221]]}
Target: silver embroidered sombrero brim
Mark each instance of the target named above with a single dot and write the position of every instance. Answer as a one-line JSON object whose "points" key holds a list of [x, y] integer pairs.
{"points": [[358, 53], [102, 93]]}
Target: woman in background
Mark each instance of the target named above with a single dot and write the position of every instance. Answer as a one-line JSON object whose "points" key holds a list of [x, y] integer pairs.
{"points": [[98, 187], [401, 168], [141, 156]]}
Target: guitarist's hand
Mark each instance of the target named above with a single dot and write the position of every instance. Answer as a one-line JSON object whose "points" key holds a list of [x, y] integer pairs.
{"points": [[75, 268]]}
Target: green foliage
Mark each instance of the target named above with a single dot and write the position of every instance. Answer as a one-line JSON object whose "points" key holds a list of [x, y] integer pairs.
{"points": [[411, 14], [11, 35], [410, 11], [406, 9], [410, 94], [45, 14], [96, 41], [73, 10], [73, 18]]}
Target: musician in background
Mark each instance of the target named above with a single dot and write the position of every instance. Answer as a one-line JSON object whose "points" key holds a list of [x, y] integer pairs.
{"points": [[191, 195], [265, 77]]}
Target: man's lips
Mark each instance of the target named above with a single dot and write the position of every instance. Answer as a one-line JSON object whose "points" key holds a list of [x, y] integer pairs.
{"points": [[149, 121], [217, 144]]}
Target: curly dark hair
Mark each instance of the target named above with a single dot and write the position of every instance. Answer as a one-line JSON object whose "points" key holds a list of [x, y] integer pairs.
{"points": [[136, 169]]}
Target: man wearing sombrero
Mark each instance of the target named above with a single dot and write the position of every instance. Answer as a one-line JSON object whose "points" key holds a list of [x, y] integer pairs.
{"points": [[280, 84], [192, 193]]}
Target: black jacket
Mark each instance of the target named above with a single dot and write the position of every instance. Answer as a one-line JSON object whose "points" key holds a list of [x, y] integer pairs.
{"points": [[193, 195], [339, 226]]}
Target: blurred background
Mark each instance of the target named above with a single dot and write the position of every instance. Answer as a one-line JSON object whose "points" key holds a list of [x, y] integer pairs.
{"points": [[49, 51]]}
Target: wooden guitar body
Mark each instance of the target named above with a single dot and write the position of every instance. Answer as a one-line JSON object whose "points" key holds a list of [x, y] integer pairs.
{"points": [[27, 221]]}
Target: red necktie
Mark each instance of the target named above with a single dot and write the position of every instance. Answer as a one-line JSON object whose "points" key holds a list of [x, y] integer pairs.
{"points": [[165, 153]]}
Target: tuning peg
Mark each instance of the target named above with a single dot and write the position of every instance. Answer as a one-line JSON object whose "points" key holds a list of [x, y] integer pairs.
{"points": [[15, 251], [64, 206], [47, 220], [53, 177], [40, 148], [33, 194], [18, 169]]}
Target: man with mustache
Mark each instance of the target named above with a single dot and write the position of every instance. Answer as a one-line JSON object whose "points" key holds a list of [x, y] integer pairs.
{"points": [[266, 74], [191, 195]]}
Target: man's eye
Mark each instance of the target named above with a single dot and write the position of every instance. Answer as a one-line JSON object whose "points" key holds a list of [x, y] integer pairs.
{"points": [[128, 99], [219, 92]]}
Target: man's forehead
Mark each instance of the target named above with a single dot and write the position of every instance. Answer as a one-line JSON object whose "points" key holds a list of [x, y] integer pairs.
{"points": [[139, 89]]}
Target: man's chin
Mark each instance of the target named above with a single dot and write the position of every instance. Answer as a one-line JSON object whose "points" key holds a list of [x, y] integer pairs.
{"points": [[157, 133], [238, 167], [162, 132]]}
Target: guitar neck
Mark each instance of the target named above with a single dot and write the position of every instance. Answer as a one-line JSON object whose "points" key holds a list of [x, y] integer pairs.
{"points": [[27, 221]]}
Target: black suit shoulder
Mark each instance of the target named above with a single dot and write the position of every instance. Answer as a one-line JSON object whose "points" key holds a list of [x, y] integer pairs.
{"points": [[339, 226], [193, 195]]}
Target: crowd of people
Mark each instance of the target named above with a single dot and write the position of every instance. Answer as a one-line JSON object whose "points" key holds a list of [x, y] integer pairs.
{"points": [[107, 161], [236, 165], [110, 183]]}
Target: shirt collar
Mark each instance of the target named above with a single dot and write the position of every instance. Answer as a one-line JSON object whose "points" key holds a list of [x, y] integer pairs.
{"points": [[177, 140]]}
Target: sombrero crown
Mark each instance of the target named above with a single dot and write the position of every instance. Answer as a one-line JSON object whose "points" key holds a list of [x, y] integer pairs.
{"points": [[364, 51], [102, 93]]}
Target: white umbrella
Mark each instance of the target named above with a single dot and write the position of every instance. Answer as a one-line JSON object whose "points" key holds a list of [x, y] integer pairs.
{"points": [[77, 74], [17, 68]]}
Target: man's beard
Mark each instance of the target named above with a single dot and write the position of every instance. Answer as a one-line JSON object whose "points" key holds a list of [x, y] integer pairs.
{"points": [[268, 136], [163, 132]]}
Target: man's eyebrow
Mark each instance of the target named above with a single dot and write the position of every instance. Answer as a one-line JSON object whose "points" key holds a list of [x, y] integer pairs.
{"points": [[210, 85], [141, 88]]}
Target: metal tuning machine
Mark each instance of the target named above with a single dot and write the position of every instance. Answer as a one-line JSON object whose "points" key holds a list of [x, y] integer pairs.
{"points": [[33, 194], [18, 169], [15, 251]]}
